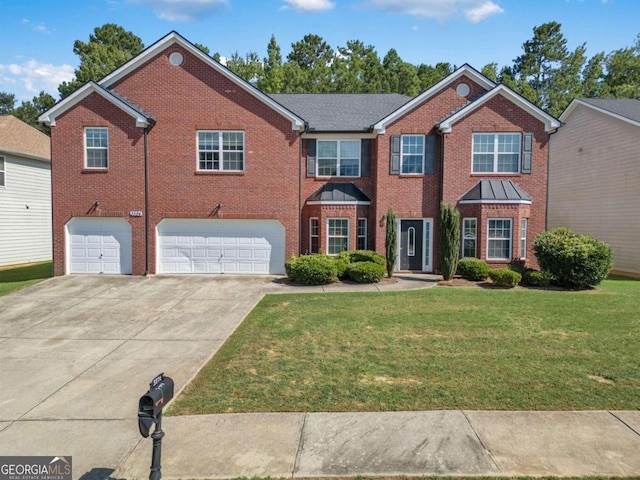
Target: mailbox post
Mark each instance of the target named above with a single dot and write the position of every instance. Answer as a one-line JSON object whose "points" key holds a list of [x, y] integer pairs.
{"points": [[149, 413]]}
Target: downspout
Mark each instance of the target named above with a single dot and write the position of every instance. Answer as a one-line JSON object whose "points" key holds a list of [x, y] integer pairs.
{"points": [[306, 127], [546, 211], [146, 196]]}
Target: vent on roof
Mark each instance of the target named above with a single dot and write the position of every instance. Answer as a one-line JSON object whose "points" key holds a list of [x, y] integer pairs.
{"points": [[176, 59]]}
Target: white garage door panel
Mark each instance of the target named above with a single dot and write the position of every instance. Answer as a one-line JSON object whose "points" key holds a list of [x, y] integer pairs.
{"points": [[99, 245], [221, 246]]}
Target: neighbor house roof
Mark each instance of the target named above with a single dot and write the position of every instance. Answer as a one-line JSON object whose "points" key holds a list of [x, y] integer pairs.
{"points": [[17, 137], [626, 109], [333, 193], [496, 191], [341, 112]]}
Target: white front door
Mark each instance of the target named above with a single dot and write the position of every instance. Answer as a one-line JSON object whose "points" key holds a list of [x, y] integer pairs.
{"points": [[221, 246], [99, 245]]}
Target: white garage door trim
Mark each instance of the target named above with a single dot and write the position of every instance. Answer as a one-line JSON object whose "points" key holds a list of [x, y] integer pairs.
{"points": [[186, 246], [98, 245]]}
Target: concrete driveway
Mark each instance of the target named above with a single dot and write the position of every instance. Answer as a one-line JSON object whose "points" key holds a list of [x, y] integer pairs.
{"points": [[77, 352]]}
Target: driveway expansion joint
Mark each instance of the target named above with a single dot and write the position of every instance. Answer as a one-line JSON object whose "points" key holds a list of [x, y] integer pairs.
{"points": [[623, 422]]}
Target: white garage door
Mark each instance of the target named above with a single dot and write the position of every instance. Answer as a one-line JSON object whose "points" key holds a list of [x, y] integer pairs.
{"points": [[99, 245], [221, 246]]}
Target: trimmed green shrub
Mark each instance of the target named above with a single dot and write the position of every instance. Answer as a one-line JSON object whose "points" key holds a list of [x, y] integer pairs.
{"points": [[535, 278], [473, 269], [317, 269], [342, 261], [365, 272], [356, 256], [391, 242], [505, 277], [449, 240], [574, 261]]}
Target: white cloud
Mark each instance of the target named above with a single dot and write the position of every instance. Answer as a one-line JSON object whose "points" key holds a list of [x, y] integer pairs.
{"points": [[32, 76], [36, 27], [309, 5], [184, 10], [472, 10]]}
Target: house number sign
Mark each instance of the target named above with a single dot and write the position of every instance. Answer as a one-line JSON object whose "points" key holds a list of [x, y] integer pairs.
{"points": [[135, 213]]}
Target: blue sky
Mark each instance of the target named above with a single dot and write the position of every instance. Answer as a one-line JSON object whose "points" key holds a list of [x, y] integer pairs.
{"points": [[36, 48]]}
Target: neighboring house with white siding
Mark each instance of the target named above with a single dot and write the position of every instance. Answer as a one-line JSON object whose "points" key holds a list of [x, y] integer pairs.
{"points": [[594, 176], [25, 193]]}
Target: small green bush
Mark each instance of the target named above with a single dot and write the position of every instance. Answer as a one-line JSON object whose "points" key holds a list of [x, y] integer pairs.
{"points": [[575, 261], [317, 269], [342, 261], [505, 277], [473, 269], [365, 272], [535, 278], [356, 256]]}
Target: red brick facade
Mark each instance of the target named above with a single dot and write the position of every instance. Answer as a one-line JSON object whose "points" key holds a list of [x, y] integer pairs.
{"points": [[274, 184]]}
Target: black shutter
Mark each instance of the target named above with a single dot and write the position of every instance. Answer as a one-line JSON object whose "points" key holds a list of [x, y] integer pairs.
{"points": [[394, 161], [527, 152], [311, 157], [430, 157], [365, 157]]}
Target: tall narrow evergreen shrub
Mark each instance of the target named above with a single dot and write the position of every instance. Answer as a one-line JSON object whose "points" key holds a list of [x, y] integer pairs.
{"points": [[391, 242], [449, 240]]}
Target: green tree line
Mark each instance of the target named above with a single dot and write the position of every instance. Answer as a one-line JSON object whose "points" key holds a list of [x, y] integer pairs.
{"points": [[546, 72]]}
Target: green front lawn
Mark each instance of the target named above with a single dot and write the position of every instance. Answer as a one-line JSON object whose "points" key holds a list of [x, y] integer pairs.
{"points": [[442, 348], [15, 278]]}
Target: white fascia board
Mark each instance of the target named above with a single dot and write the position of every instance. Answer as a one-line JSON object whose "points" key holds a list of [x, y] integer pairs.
{"points": [[175, 38], [578, 102], [331, 202], [465, 70], [502, 202], [13, 153], [550, 123], [49, 117]]}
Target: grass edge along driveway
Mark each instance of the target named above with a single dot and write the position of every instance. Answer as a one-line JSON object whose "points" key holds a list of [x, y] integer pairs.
{"points": [[14, 278], [436, 349]]}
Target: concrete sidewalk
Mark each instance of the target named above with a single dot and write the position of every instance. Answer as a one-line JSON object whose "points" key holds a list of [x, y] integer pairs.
{"points": [[394, 443]]}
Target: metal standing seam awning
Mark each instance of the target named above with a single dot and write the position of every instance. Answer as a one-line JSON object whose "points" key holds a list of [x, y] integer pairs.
{"points": [[496, 191], [334, 193]]}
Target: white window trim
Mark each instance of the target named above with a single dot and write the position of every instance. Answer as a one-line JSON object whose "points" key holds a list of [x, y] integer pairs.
{"points": [[495, 154], [311, 235], [402, 154], [411, 245], [510, 239], [3, 170], [475, 237], [338, 141], [348, 233], [524, 227], [220, 150], [86, 164], [365, 236]]}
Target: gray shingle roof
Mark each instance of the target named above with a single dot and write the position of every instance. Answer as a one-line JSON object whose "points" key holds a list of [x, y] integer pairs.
{"points": [[625, 107], [502, 191], [339, 193], [341, 112]]}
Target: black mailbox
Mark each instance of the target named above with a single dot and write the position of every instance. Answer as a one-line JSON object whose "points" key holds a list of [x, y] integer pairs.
{"points": [[151, 403]]}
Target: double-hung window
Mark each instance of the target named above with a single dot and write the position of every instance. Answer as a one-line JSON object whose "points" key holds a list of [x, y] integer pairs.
{"points": [[2, 171], [96, 142], [362, 234], [338, 158], [496, 153], [412, 155], [469, 237], [337, 235], [523, 238], [313, 235], [499, 239], [220, 151]]}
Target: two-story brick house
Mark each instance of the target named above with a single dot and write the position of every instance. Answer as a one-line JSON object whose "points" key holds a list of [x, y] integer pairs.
{"points": [[172, 164]]}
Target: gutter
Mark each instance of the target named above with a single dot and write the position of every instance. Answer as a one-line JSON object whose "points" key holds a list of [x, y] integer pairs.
{"points": [[146, 196]]}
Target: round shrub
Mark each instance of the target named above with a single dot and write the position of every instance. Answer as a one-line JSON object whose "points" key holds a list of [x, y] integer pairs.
{"points": [[535, 278], [356, 256], [574, 261], [505, 277], [312, 269], [342, 261], [365, 272], [473, 269]]}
